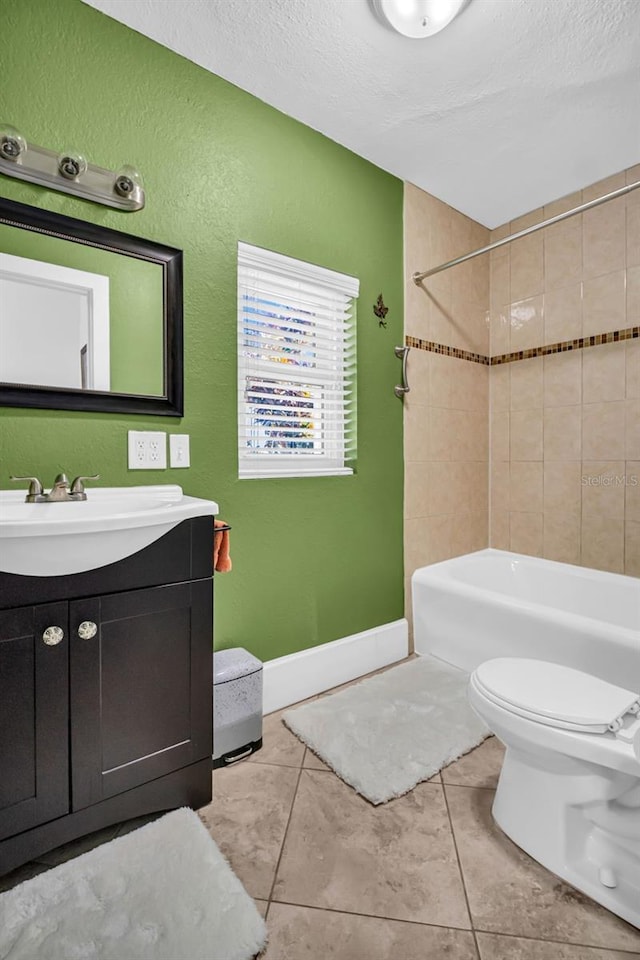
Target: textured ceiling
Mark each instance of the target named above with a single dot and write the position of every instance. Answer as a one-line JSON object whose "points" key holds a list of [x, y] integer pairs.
{"points": [[516, 103]]}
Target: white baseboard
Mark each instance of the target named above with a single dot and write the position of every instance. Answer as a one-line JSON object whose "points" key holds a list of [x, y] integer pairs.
{"points": [[300, 675]]}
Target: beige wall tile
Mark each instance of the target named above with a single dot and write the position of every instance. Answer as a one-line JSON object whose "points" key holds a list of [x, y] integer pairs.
{"points": [[527, 323], [470, 438], [440, 433], [603, 239], [633, 232], [603, 543], [441, 320], [527, 267], [526, 532], [441, 377], [500, 429], [438, 533], [563, 313], [499, 280], [468, 326], [633, 296], [499, 233], [446, 414], [563, 433], [526, 435], [500, 330], [443, 495], [603, 373], [632, 548], [526, 383], [563, 378], [603, 488], [500, 485], [561, 539], [527, 220], [602, 187], [632, 349], [632, 175], [416, 490], [476, 476], [416, 311], [470, 386], [468, 533], [563, 204], [415, 550], [500, 384], [603, 304], [632, 430], [500, 537], [577, 278], [603, 431], [632, 490], [563, 487], [416, 432], [563, 253], [526, 486]]}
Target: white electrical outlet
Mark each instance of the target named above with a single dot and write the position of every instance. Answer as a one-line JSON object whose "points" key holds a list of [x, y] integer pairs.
{"points": [[179, 450], [147, 450]]}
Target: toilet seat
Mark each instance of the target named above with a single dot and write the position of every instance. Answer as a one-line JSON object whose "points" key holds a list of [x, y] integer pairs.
{"points": [[559, 696]]}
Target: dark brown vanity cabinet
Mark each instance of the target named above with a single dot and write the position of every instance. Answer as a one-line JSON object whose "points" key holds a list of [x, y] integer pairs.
{"points": [[106, 697]]}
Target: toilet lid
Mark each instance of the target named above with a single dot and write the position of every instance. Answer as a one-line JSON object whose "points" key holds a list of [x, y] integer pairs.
{"points": [[554, 694]]}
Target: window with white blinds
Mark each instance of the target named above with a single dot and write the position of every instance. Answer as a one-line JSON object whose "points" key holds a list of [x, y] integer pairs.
{"points": [[296, 367]]}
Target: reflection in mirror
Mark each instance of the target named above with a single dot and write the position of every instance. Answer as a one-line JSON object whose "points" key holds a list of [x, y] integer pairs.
{"points": [[90, 318], [54, 325], [52, 276]]}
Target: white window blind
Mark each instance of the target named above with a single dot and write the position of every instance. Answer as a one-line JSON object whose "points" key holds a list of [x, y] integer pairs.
{"points": [[296, 367]]}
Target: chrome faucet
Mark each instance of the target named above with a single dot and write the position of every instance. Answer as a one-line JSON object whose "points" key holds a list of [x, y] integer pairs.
{"points": [[61, 491]]}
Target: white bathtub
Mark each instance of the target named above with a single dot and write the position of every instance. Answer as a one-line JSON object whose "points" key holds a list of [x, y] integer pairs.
{"points": [[496, 604]]}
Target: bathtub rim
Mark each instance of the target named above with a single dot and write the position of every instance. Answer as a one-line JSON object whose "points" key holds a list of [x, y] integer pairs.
{"points": [[438, 575]]}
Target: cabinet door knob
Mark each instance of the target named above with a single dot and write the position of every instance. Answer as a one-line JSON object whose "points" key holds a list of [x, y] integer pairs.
{"points": [[87, 630], [53, 636]]}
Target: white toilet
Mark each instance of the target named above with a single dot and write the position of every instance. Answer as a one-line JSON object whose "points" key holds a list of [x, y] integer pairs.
{"points": [[569, 790]]}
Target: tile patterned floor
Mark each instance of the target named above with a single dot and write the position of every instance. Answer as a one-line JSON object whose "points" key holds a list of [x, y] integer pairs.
{"points": [[425, 877]]}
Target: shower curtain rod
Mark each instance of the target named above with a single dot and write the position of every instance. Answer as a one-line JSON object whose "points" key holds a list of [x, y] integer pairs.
{"points": [[419, 277]]}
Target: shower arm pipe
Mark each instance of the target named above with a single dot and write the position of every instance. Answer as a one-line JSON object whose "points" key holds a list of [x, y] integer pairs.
{"points": [[419, 277]]}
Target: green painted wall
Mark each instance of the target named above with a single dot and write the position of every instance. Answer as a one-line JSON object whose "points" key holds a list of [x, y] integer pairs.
{"points": [[314, 559], [135, 303]]}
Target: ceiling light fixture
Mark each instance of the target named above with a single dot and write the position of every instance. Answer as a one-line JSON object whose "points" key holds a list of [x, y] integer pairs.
{"points": [[418, 18]]}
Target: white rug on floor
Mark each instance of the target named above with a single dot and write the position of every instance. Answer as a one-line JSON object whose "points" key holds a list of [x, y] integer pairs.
{"points": [[162, 892], [389, 732]]}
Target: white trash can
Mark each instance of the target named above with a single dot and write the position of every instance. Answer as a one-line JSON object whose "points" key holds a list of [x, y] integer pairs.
{"points": [[237, 705]]}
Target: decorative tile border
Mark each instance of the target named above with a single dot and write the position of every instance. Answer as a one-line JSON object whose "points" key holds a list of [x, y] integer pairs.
{"points": [[563, 346], [431, 347]]}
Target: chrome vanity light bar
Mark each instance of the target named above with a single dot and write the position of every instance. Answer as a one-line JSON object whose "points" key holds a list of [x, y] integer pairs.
{"points": [[69, 172]]}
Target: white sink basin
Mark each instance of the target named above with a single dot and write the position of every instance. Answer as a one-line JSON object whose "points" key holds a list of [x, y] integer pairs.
{"points": [[52, 539]]}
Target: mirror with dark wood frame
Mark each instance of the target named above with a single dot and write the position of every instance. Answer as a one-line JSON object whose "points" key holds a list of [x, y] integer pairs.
{"points": [[90, 318]]}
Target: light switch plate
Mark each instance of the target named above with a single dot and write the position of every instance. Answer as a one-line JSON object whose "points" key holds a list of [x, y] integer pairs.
{"points": [[179, 450], [147, 450]]}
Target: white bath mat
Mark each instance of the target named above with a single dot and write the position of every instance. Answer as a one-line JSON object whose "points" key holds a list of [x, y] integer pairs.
{"points": [[389, 732], [162, 892]]}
